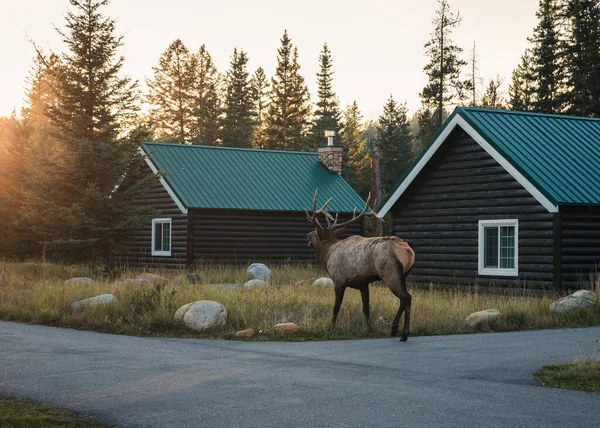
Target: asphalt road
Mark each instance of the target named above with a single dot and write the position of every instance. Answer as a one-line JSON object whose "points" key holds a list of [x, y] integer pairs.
{"points": [[479, 380]]}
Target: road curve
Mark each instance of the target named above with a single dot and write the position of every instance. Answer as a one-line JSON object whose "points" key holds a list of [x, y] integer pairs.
{"points": [[446, 381]]}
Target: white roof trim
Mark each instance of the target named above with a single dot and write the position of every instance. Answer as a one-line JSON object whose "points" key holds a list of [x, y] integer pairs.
{"points": [[457, 120], [172, 194]]}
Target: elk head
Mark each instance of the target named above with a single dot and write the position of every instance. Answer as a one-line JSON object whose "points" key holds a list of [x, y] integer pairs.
{"points": [[333, 230]]}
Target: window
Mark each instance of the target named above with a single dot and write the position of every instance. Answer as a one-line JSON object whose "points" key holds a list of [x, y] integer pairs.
{"points": [[499, 247], [161, 237]]}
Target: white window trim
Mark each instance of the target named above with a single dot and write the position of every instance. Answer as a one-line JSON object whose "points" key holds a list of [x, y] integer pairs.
{"points": [[497, 271], [164, 221]]}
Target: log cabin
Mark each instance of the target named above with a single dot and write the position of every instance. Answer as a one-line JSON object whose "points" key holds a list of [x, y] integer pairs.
{"points": [[503, 199], [230, 205]]}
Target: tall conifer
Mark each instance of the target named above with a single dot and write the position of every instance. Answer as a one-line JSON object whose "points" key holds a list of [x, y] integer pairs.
{"points": [[260, 96], [287, 115], [170, 95], [207, 109], [327, 114], [444, 66], [78, 212], [582, 54], [521, 91], [357, 170], [239, 119], [395, 143]]}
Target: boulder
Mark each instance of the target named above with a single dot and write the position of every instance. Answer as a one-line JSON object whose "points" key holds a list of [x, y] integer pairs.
{"points": [[94, 301], [477, 318], [258, 271], [286, 328], [153, 278], [79, 280], [577, 300], [226, 285], [129, 281], [323, 282], [245, 333], [255, 283], [202, 315]]}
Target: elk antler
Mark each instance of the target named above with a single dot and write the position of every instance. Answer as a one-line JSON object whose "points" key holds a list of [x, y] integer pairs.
{"points": [[313, 219], [364, 213], [328, 217]]}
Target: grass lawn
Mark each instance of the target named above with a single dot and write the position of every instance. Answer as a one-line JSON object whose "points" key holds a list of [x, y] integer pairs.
{"points": [[36, 293], [582, 376], [21, 414]]}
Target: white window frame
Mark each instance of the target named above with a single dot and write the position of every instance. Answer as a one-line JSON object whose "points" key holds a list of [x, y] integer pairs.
{"points": [[162, 221], [481, 244]]}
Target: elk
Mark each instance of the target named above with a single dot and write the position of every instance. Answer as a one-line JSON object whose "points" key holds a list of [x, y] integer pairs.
{"points": [[356, 261]]}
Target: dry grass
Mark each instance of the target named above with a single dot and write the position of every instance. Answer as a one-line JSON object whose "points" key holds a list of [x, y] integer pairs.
{"points": [[21, 414], [35, 292]]}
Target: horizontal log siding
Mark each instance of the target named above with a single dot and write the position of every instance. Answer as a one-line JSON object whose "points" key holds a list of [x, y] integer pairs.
{"points": [[254, 236], [580, 245], [438, 215], [139, 245]]}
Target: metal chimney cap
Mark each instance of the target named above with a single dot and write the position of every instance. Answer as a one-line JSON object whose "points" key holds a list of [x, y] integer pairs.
{"points": [[330, 133]]}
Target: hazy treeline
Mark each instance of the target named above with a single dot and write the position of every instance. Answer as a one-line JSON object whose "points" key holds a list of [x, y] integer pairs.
{"points": [[63, 157]]}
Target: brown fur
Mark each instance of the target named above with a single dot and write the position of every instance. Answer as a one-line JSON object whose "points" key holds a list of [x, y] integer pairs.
{"points": [[356, 262]]}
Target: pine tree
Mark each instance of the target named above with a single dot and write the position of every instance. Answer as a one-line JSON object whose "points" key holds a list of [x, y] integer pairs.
{"points": [[547, 70], [492, 98], [582, 54], [207, 110], [286, 118], [426, 128], [521, 90], [357, 169], [395, 143], [260, 95], [78, 212], [474, 79], [170, 95], [239, 120], [327, 114], [443, 70]]}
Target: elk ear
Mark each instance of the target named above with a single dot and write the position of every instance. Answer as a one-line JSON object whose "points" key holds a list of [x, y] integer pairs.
{"points": [[339, 232]]}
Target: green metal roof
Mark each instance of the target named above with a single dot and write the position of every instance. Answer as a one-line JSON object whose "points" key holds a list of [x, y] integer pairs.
{"points": [[559, 155], [246, 179]]}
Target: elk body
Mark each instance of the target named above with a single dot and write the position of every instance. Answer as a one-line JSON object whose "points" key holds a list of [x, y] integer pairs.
{"points": [[355, 262]]}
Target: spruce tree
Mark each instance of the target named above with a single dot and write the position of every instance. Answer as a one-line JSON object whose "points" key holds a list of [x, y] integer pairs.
{"points": [[76, 210], [357, 169], [521, 91], [492, 98], [207, 110], [239, 119], [444, 66], [395, 143], [170, 95], [427, 128], [260, 96], [327, 114], [547, 71], [287, 115], [582, 54]]}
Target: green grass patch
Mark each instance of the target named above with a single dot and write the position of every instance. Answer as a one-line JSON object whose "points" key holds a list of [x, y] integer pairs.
{"points": [[581, 376], [37, 293], [21, 414]]}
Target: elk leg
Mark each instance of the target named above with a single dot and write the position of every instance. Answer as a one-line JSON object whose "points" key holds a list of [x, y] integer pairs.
{"points": [[339, 296], [364, 293], [397, 284], [397, 319]]}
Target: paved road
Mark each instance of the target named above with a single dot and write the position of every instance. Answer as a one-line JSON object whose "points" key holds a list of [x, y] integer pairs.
{"points": [[448, 381]]}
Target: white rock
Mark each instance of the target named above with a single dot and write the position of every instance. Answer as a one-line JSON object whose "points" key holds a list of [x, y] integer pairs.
{"points": [[153, 278], [202, 315], [286, 327], [246, 333], [258, 271], [255, 283], [94, 301], [577, 300], [79, 280], [323, 282], [480, 317]]}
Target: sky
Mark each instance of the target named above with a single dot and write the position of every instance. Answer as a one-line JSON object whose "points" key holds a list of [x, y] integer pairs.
{"points": [[377, 45]]}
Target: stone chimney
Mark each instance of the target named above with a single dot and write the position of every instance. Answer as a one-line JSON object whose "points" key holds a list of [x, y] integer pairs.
{"points": [[331, 156]]}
